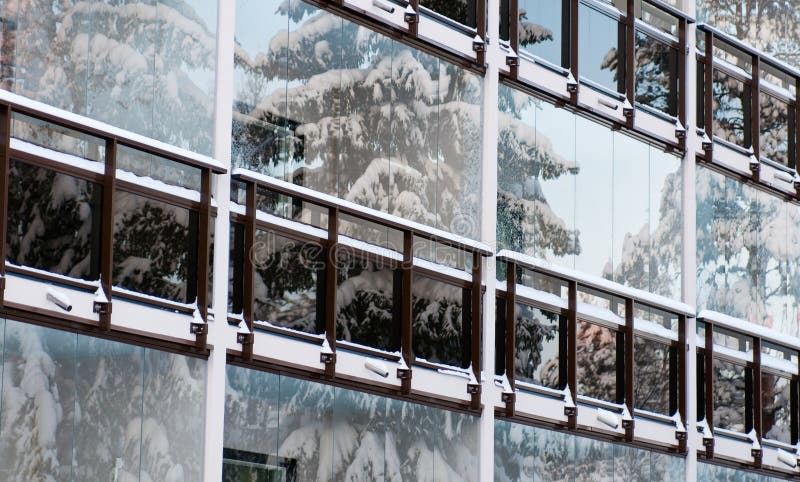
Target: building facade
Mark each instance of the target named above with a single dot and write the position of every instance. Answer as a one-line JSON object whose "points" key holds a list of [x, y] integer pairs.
{"points": [[467, 240]]}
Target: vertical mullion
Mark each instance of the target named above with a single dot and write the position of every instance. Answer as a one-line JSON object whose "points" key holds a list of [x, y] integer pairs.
{"points": [[682, 375], [572, 349], [5, 161], [107, 234], [248, 293], [406, 315], [476, 323], [480, 20], [204, 228], [757, 407], [513, 33], [708, 91], [755, 112], [793, 156], [709, 379], [630, 59], [331, 280], [510, 329], [573, 47], [413, 27], [683, 82], [629, 377]]}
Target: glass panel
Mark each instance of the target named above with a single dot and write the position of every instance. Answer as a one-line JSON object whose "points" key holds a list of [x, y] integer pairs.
{"points": [[108, 434], [792, 257], [631, 213], [731, 109], [656, 74], [555, 456], [776, 407], [152, 242], [774, 125], [462, 11], [537, 346], [288, 276], [597, 362], [306, 434], [541, 30], [251, 415], [667, 468], [370, 232], [632, 464], [159, 168], [602, 49], [730, 390], [411, 439], [365, 296], [514, 452], [441, 322], [37, 434], [58, 138], [360, 437], [593, 197], [458, 183], [666, 224], [173, 415], [456, 446], [651, 372], [53, 221], [594, 460], [772, 281], [145, 66]]}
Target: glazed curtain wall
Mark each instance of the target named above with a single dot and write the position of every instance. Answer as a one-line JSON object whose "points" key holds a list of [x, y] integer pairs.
{"points": [[324, 103], [74, 407], [282, 428], [576, 193], [715, 473], [526, 454], [146, 65], [748, 252]]}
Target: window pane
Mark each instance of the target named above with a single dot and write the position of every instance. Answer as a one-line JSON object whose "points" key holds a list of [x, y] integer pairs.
{"points": [[366, 312], [174, 414], [462, 11], [288, 275], [251, 409], [37, 434], [774, 126], [632, 464], [730, 390], [555, 457], [602, 53], [151, 247], [540, 29], [108, 437], [597, 362], [731, 109], [537, 346], [514, 451], [776, 406], [441, 318], [666, 224], [668, 468], [159, 168], [53, 221], [46, 134], [651, 374], [594, 460], [306, 433], [656, 74]]}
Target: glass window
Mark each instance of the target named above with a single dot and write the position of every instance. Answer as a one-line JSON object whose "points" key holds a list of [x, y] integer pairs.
{"points": [[514, 451], [632, 464], [441, 322], [656, 74], [776, 417], [152, 245], [731, 386], [538, 346], [555, 457], [53, 221], [602, 49], [731, 109], [159, 168], [541, 30], [653, 375], [667, 468], [289, 278], [462, 11], [109, 433], [145, 66], [251, 424], [594, 460], [366, 313], [774, 125], [596, 362], [666, 224], [52, 136], [364, 118], [173, 412]]}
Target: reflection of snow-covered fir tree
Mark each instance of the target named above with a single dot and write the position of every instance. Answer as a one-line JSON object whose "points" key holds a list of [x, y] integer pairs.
{"points": [[347, 111], [145, 66]]}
